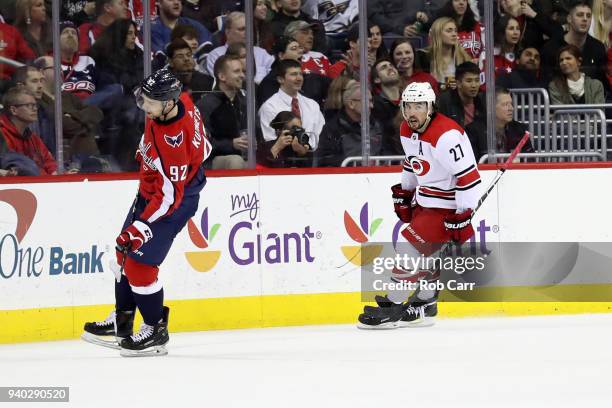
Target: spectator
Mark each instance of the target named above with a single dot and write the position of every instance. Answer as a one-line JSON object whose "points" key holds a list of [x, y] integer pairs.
{"points": [[78, 11], [288, 98], [32, 79], [336, 17], [349, 65], [136, 11], [20, 111], [186, 33], [386, 80], [508, 132], [464, 103], [594, 58], [315, 85], [526, 73], [285, 150], [78, 70], [284, 48], [14, 47], [31, 21], [117, 57], [507, 35], [80, 76], [79, 121], [210, 12], [403, 58], [333, 102], [601, 24], [572, 86], [235, 30], [535, 25], [601, 29], [342, 134], [239, 50], [289, 11], [470, 32], [312, 61], [169, 17], [264, 38], [376, 42], [189, 34], [224, 113], [107, 11], [444, 53], [402, 17], [181, 63]]}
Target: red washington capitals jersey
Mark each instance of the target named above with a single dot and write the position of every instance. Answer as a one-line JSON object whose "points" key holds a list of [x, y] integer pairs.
{"points": [[170, 154], [440, 165]]}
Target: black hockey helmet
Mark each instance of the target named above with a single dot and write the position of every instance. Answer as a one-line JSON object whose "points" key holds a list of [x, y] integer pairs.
{"points": [[162, 86]]}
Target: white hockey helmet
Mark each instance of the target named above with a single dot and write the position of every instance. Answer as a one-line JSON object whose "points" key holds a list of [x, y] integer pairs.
{"points": [[419, 92]]}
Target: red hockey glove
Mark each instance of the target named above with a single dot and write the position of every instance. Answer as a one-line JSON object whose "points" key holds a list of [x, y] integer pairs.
{"points": [[134, 236], [402, 202], [459, 226]]}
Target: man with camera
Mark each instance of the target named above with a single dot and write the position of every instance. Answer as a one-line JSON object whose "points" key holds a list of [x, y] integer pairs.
{"points": [[289, 98], [289, 149]]}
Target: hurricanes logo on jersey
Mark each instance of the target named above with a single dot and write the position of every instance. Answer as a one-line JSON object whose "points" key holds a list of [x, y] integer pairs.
{"points": [[419, 166]]}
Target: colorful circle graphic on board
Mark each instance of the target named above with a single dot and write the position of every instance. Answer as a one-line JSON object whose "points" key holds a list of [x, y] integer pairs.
{"points": [[205, 260], [364, 252]]}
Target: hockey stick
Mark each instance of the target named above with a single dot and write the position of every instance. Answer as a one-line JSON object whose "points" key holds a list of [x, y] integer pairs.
{"points": [[124, 249], [503, 169]]}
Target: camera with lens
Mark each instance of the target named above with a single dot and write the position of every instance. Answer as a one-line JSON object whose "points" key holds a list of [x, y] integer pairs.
{"points": [[300, 134]]}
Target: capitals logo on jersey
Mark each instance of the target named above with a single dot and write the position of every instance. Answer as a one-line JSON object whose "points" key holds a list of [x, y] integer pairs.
{"points": [[174, 141]]}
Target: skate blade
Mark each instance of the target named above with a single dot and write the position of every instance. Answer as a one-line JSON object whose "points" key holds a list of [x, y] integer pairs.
{"points": [[149, 352], [425, 322], [382, 326], [100, 341]]}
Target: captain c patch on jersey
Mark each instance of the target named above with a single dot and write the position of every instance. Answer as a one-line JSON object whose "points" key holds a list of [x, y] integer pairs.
{"points": [[174, 141]]}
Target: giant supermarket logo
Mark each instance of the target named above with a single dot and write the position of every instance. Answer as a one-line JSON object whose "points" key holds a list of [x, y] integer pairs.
{"points": [[364, 252], [245, 242], [18, 260], [206, 259]]}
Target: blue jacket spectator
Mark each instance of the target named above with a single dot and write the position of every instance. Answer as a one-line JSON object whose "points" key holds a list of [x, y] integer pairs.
{"points": [[170, 16]]}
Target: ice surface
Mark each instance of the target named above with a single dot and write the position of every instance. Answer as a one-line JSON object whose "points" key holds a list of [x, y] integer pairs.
{"points": [[549, 361]]}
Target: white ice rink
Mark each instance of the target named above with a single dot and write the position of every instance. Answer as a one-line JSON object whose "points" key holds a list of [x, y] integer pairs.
{"points": [[552, 361]]}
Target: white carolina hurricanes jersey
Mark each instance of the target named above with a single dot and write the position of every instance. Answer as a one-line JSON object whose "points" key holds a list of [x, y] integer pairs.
{"points": [[440, 165]]}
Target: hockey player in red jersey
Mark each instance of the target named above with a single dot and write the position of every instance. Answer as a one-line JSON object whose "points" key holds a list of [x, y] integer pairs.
{"points": [[171, 154], [438, 191]]}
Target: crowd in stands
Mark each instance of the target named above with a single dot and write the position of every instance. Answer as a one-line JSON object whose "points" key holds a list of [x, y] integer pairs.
{"points": [[307, 73]]}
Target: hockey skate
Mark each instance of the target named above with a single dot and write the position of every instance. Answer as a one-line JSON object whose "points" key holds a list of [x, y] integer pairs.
{"points": [[149, 341], [389, 315], [110, 332]]}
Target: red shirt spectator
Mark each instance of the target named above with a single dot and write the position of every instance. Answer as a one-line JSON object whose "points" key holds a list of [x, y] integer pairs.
{"points": [[136, 11], [504, 63], [21, 110], [88, 34], [107, 12], [472, 41], [13, 46]]}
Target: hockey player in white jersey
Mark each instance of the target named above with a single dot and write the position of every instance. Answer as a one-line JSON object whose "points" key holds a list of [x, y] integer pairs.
{"points": [[440, 187]]}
